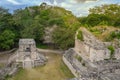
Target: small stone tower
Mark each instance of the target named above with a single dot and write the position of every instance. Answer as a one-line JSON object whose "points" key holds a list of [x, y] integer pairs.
{"points": [[27, 53]]}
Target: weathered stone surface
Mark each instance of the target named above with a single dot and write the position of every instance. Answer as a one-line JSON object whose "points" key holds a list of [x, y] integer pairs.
{"points": [[28, 55], [48, 34], [90, 59], [100, 71], [93, 48]]}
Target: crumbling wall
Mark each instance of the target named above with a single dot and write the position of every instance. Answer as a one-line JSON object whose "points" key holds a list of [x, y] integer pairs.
{"points": [[93, 48], [9, 69], [96, 58], [117, 53]]}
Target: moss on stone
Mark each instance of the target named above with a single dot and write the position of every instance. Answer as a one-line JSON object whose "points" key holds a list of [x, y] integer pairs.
{"points": [[79, 58]]}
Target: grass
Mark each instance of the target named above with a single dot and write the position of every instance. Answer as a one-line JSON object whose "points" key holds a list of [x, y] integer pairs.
{"points": [[112, 50], [42, 46], [66, 71], [79, 58], [103, 32], [55, 69], [45, 46]]}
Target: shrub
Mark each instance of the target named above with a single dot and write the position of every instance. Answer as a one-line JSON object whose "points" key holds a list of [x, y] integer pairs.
{"points": [[80, 35], [79, 58], [111, 48], [113, 35]]}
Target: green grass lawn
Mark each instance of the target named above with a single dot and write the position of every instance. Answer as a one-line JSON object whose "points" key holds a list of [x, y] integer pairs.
{"points": [[55, 69]]}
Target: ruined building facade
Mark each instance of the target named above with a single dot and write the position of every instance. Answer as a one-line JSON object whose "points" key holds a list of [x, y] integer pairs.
{"points": [[28, 55], [94, 49], [90, 59]]}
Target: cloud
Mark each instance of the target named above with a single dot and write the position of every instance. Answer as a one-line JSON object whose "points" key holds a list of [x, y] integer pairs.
{"points": [[82, 1], [78, 7], [53, 1], [14, 2]]}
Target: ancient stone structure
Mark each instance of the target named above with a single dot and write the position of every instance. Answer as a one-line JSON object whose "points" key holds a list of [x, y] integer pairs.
{"points": [[90, 59], [28, 55], [94, 49], [48, 34]]}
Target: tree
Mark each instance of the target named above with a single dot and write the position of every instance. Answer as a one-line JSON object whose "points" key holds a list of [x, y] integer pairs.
{"points": [[117, 22], [5, 19], [32, 21], [64, 38], [96, 19], [7, 40], [3, 11], [112, 11]]}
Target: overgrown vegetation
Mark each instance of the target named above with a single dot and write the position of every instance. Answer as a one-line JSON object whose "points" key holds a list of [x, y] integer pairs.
{"points": [[79, 58], [80, 35], [66, 70], [31, 23], [113, 35], [111, 48], [102, 15]]}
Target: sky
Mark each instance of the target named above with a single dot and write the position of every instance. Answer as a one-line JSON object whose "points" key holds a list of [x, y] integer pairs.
{"points": [[78, 7]]}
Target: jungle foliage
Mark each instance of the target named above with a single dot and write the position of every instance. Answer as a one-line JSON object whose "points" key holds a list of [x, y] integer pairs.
{"points": [[31, 23], [102, 15]]}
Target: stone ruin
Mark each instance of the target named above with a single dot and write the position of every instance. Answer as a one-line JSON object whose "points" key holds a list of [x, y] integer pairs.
{"points": [[27, 54], [94, 49], [90, 59]]}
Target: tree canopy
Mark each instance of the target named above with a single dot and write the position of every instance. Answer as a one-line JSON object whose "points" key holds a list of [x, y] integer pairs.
{"points": [[103, 15], [31, 23]]}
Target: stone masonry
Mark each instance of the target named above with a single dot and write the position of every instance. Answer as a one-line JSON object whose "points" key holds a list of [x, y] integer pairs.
{"points": [[94, 49], [27, 54], [90, 59]]}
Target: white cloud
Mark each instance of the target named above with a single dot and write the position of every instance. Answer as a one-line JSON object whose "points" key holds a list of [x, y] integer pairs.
{"points": [[78, 7], [66, 5], [14, 2], [86, 0], [73, 1], [82, 8]]}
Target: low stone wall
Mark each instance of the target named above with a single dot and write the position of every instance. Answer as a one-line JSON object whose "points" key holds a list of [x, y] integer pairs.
{"points": [[41, 61], [88, 71], [9, 70], [70, 66], [50, 51], [7, 52], [117, 53], [77, 66]]}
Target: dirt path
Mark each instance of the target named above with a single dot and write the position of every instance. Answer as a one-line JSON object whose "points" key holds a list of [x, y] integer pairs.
{"points": [[50, 51], [53, 70]]}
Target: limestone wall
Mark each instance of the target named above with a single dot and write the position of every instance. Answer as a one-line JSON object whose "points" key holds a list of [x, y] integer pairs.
{"points": [[117, 53], [87, 72], [94, 49], [70, 66], [97, 55]]}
